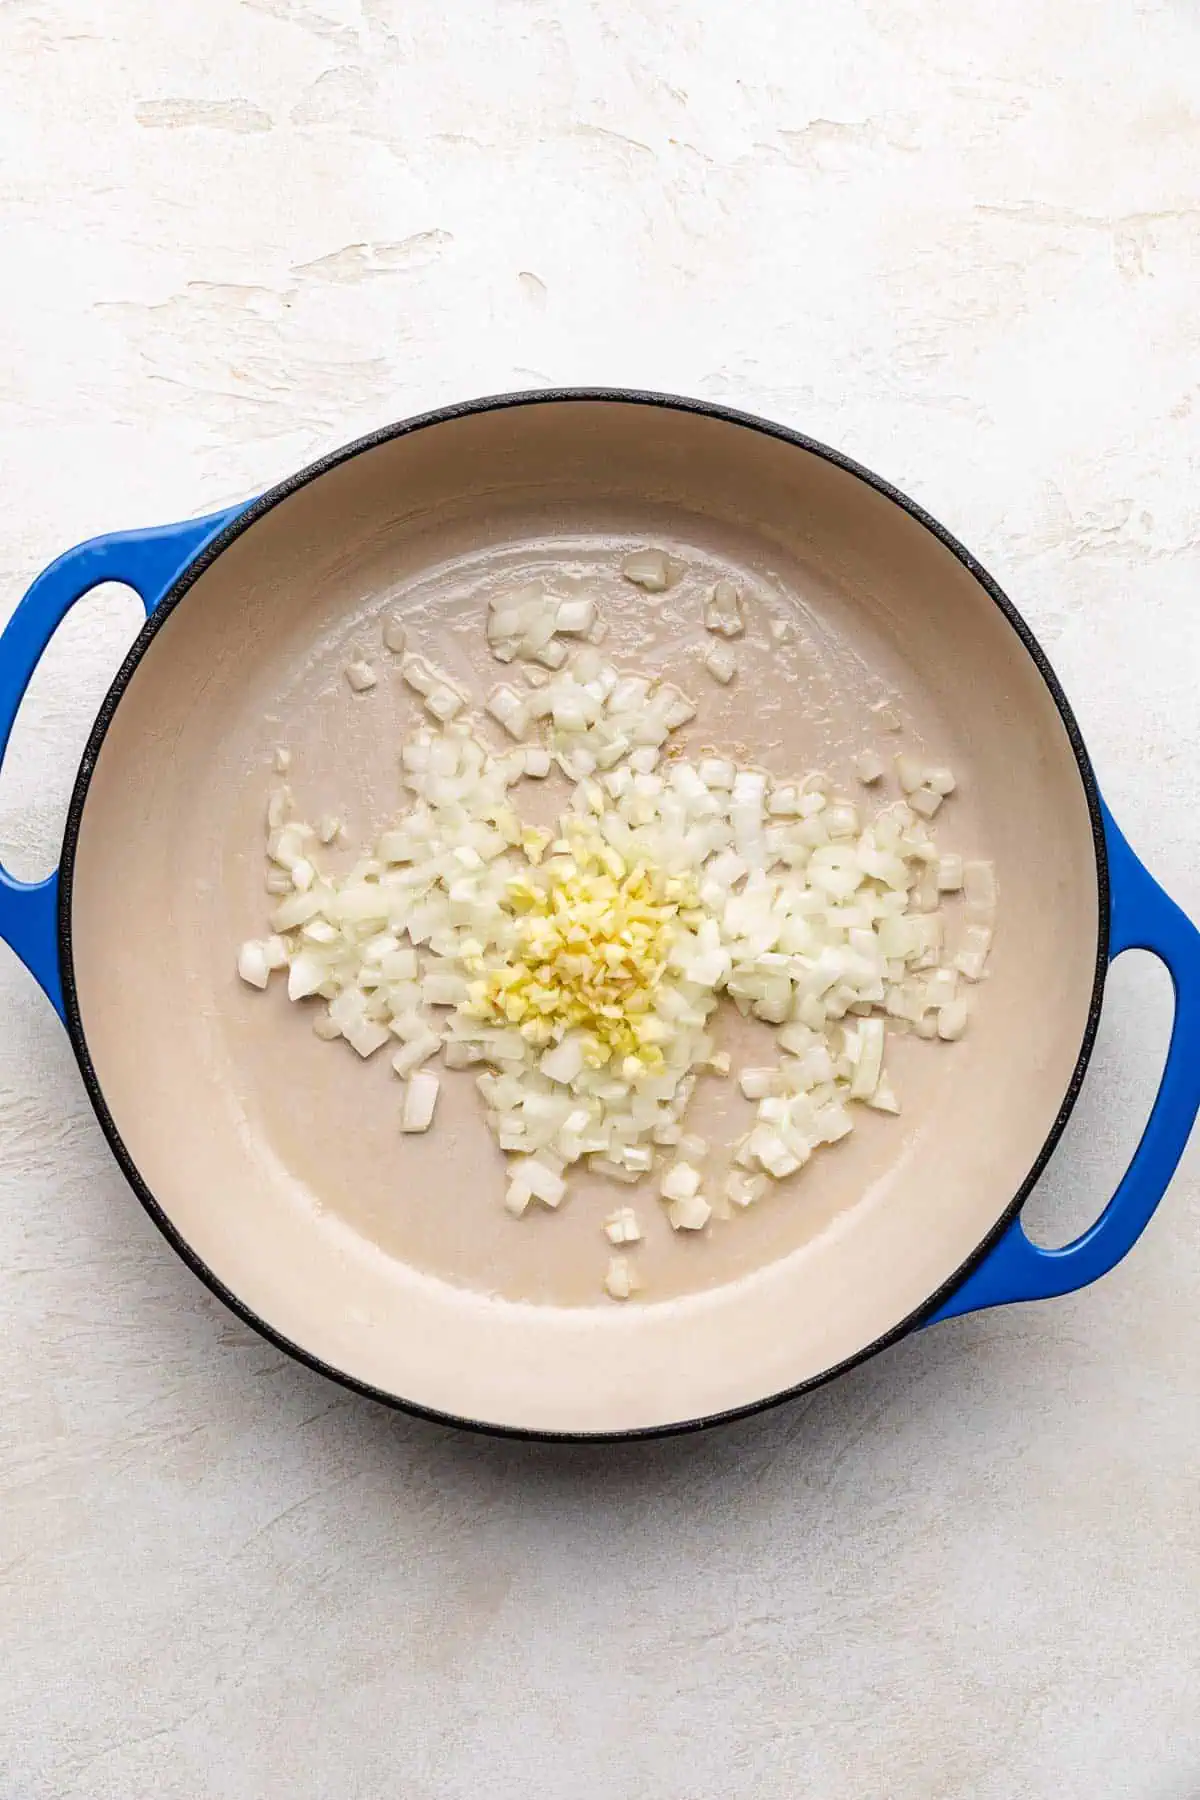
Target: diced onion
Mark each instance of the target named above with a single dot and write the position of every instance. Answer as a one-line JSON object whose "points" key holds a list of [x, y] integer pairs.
{"points": [[720, 662], [420, 1099], [716, 773], [621, 1227], [910, 772], [306, 973], [649, 569], [970, 961], [575, 616], [691, 1213], [680, 1182], [577, 967], [252, 964], [745, 1190], [979, 883], [544, 1183], [619, 1280], [509, 710], [756, 1084], [952, 1020], [723, 611], [869, 1062], [416, 1051]]}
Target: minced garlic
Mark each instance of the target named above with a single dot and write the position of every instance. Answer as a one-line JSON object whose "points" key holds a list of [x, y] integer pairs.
{"points": [[592, 942]]}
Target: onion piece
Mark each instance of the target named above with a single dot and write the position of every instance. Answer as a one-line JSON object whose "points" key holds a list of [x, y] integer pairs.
{"points": [[543, 1182], [621, 1227], [952, 1020], [717, 772], [690, 1213], [252, 963], [368, 1036], [442, 696], [720, 662], [517, 1197], [680, 1182], [420, 1099], [416, 1051], [306, 973], [723, 611], [970, 961], [620, 1281], [444, 703], [883, 1099], [648, 569], [676, 708], [509, 710], [756, 1084], [910, 772], [979, 883], [575, 616], [745, 1190], [614, 1171], [564, 1062], [869, 1062]]}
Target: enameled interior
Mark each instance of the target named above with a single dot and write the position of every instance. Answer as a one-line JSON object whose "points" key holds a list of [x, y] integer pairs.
{"points": [[278, 1157]]}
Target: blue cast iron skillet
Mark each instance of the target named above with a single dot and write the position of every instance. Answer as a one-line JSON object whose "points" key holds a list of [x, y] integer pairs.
{"points": [[161, 565]]}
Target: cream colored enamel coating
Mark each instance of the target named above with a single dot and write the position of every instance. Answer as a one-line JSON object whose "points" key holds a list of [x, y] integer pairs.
{"points": [[278, 1158]]}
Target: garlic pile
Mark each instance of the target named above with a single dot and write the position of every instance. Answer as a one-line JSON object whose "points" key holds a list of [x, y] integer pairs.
{"points": [[579, 969]]}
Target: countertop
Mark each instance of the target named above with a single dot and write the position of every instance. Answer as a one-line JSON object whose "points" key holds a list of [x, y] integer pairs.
{"points": [[958, 241]]}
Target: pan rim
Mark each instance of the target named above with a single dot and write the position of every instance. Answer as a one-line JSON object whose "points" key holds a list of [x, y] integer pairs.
{"points": [[264, 504]]}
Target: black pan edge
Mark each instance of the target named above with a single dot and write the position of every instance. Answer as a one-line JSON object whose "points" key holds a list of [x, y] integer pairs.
{"points": [[271, 499]]}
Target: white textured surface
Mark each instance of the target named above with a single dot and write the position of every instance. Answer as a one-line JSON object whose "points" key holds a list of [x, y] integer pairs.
{"points": [[957, 240]]}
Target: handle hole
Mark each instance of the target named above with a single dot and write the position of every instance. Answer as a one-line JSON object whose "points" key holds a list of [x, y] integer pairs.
{"points": [[52, 726], [1113, 1106]]}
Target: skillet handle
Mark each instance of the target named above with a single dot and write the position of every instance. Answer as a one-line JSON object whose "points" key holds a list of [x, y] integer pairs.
{"points": [[1142, 917], [147, 561]]}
